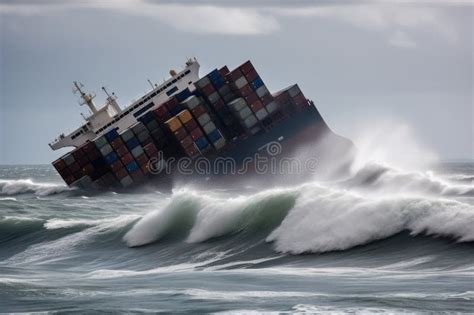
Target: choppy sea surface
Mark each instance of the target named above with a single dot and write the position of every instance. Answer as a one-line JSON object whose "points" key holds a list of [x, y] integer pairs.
{"points": [[381, 240]]}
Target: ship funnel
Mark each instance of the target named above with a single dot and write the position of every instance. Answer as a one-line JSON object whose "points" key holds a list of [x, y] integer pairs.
{"points": [[172, 72]]}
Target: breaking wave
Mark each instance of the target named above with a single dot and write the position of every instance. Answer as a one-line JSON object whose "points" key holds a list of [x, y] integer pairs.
{"points": [[22, 186], [316, 217]]}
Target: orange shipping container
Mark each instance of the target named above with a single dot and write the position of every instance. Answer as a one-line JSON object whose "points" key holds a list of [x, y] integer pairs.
{"points": [[185, 116], [173, 124]]}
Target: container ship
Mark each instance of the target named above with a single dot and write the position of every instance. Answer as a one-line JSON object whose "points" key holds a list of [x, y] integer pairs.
{"points": [[224, 114]]}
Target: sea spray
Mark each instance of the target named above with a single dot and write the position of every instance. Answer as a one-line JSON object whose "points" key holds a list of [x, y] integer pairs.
{"points": [[22, 186]]}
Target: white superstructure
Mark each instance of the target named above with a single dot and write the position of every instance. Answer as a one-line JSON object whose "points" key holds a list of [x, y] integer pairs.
{"points": [[111, 116]]}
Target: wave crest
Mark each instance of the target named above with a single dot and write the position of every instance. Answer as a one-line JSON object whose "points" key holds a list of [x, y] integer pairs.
{"points": [[23, 186]]}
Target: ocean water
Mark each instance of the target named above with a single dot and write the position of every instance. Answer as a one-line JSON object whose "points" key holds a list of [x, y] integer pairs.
{"points": [[380, 240]]}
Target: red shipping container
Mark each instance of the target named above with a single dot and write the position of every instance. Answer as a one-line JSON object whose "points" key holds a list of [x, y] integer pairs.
{"points": [[78, 175], [137, 175], [219, 104], [142, 160], [59, 165], [78, 153], [150, 149], [69, 179], [88, 169], [199, 110], [121, 173], [224, 71], [196, 134], [121, 151], [162, 114], [64, 173], [171, 103], [251, 98], [83, 160], [267, 99], [88, 147], [186, 141], [191, 125], [180, 134], [208, 89], [234, 75], [115, 166], [74, 167], [93, 155], [257, 105], [191, 150], [127, 158], [145, 169], [117, 142], [300, 100], [246, 67], [245, 90], [251, 75]]}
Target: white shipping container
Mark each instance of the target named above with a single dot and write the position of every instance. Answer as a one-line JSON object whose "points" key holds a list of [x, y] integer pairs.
{"points": [[127, 135], [219, 144], [250, 121], [137, 151], [261, 114], [106, 149], [202, 82], [262, 91], [225, 90], [126, 181], [204, 119], [244, 113], [294, 90], [241, 82], [237, 104], [214, 97], [255, 129], [271, 107], [138, 127], [192, 102], [209, 127], [100, 142], [69, 159]]}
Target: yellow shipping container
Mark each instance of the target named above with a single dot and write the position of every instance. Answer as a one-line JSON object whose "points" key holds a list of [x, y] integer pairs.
{"points": [[185, 116], [173, 123]]}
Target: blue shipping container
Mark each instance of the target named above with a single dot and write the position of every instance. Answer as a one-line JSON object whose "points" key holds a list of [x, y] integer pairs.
{"points": [[111, 135], [132, 166], [147, 118], [214, 74], [132, 143], [184, 94], [111, 157], [214, 135], [177, 109], [256, 83], [218, 83], [201, 143]]}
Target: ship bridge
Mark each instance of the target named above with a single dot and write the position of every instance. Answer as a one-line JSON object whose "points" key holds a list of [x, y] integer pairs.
{"points": [[111, 116]]}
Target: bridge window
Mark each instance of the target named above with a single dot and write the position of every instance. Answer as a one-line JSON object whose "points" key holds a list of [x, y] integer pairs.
{"points": [[171, 91]]}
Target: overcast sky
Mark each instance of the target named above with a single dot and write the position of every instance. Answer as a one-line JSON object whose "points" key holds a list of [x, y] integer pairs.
{"points": [[406, 63]]}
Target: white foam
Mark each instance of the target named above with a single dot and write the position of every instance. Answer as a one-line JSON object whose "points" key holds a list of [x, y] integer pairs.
{"points": [[329, 219], [21, 186]]}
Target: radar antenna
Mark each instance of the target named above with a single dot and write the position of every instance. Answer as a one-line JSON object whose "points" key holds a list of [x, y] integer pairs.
{"points": [[112, 100], [86, 98]]}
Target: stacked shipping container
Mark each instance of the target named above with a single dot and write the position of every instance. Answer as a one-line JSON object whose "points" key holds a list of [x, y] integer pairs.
{"points": [[224, 105]]}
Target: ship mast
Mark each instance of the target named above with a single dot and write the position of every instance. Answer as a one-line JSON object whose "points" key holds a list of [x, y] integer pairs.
{"points": [[112, 100], [86, 98]]}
